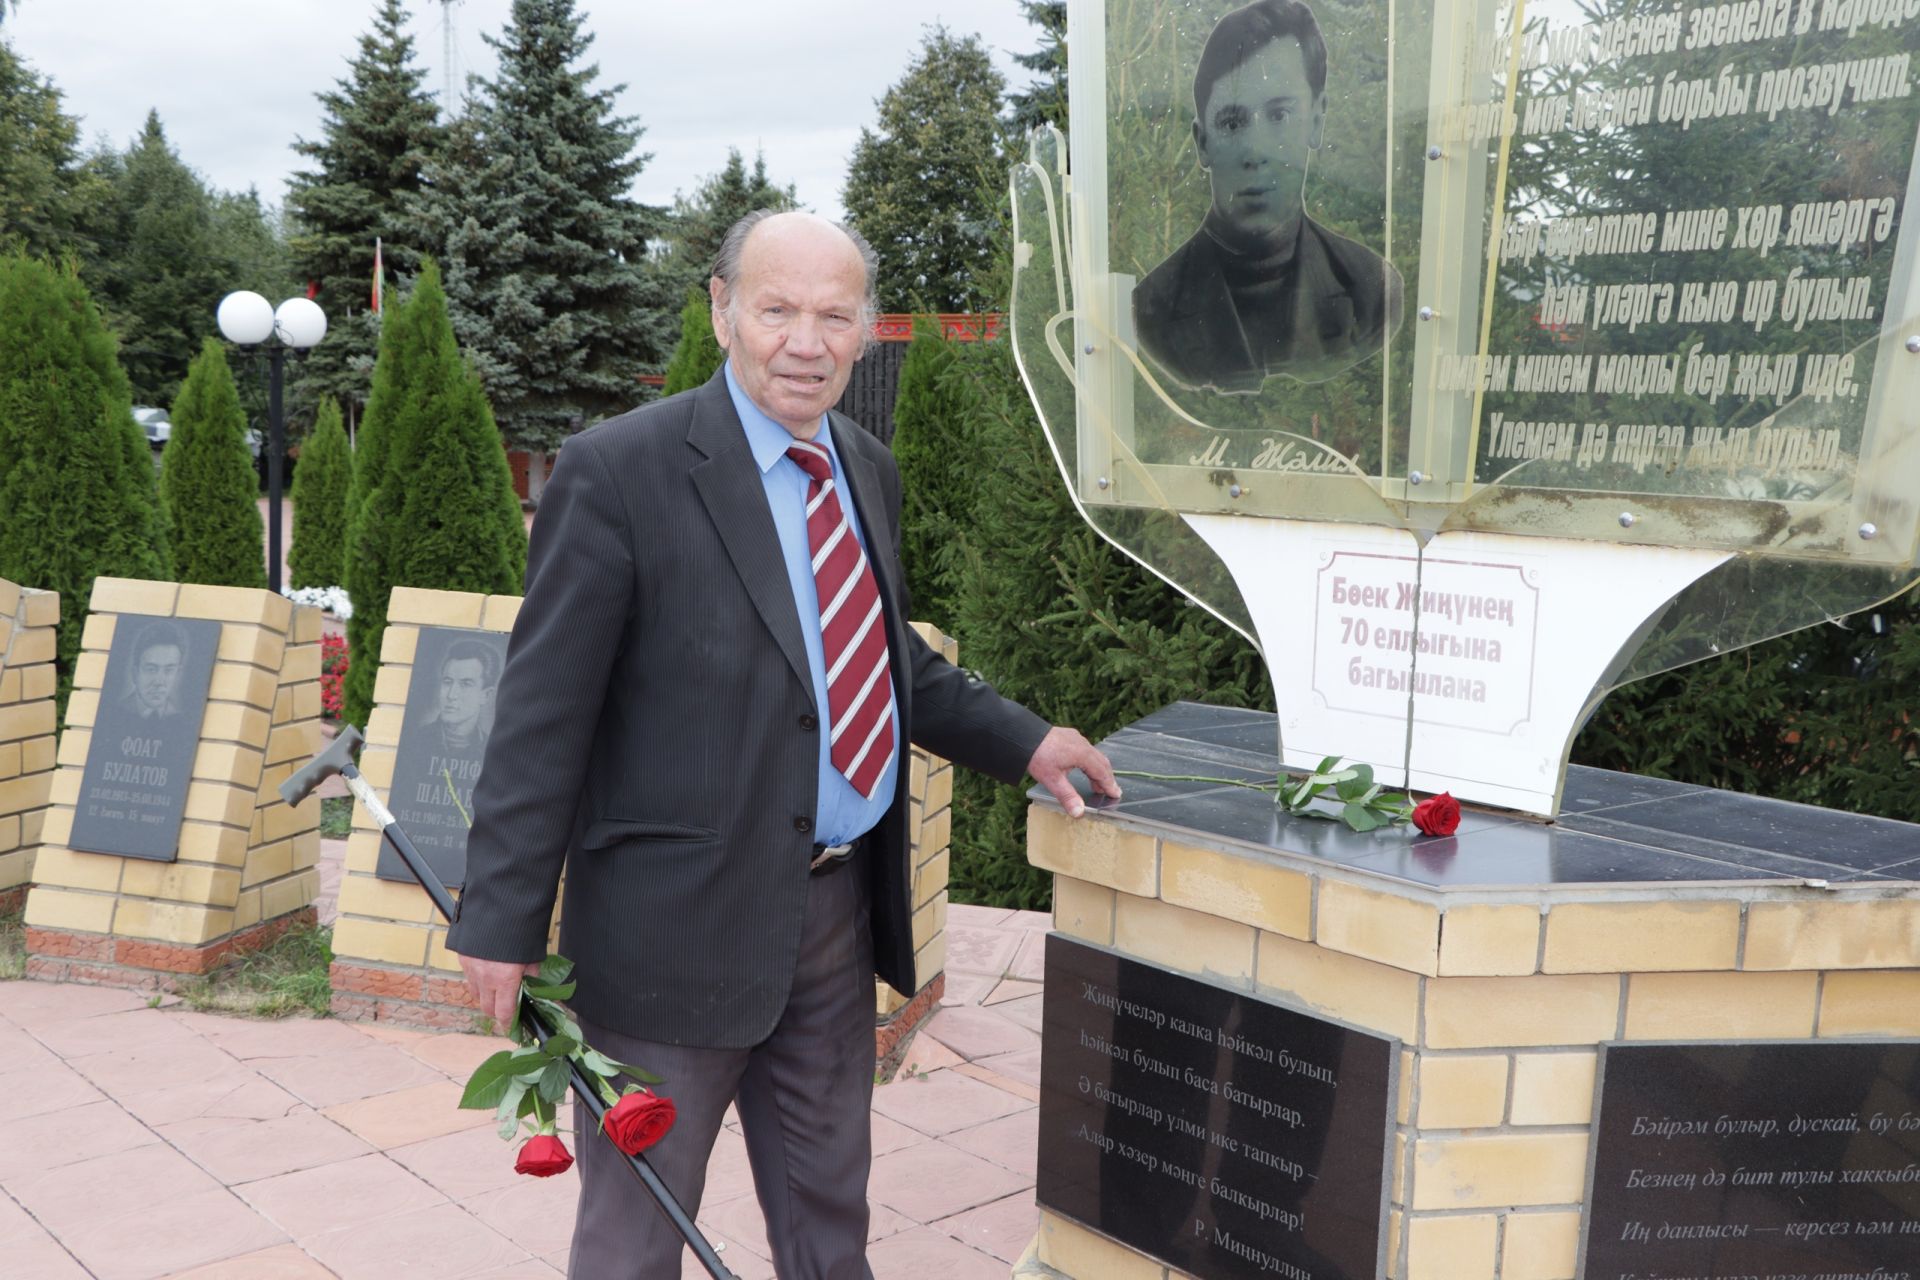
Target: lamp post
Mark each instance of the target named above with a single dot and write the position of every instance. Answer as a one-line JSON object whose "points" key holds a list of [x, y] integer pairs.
{"points": [[248, 320]]}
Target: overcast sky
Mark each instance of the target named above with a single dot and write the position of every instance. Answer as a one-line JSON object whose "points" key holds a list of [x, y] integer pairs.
{"points": [[234, 80]]}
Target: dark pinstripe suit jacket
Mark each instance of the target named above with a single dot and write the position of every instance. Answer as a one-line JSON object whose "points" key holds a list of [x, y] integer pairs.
{"points": [[657, 733]]}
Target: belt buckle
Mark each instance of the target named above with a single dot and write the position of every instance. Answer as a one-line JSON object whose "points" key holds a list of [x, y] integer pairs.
{"points": [[829, 853]]}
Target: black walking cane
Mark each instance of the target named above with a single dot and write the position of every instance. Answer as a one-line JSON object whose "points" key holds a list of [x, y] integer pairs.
{"points": [[338, 758]]}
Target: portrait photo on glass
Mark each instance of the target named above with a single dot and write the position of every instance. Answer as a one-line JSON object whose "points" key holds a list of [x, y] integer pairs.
{"points": [[1260, 288]]}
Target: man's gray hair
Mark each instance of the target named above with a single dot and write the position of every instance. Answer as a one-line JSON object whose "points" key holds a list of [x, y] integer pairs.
{"points": [[726, 265]]}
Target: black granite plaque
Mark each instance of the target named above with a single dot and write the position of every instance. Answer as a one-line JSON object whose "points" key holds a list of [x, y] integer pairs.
{"points": [[443, 736], [145, 735], [1789, 1161], [1222, 1134]]}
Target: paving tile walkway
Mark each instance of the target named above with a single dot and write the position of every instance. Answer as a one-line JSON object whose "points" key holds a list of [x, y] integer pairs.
{"points": [[140, 1143]]}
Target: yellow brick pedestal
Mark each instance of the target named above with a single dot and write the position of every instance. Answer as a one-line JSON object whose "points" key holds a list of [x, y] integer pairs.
{"points": [[1502, 995], [245, 868], [28, 623]]}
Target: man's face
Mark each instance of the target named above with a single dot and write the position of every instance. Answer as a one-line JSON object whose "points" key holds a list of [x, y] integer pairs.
{"points": [[463, 691], [1262, 121], [792, 328], [157, 674]]}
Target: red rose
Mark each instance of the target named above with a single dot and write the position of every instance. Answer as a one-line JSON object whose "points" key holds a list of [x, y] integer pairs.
{"points": [[638, 1120], [1437, 815], [543, 1156]]}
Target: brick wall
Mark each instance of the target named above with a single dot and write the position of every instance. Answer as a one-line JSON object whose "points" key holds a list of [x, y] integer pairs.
{"points": [[28, 621], [239, 879], [1501, 1003]]}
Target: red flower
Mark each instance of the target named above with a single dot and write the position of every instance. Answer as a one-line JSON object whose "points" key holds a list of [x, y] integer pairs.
{"points": [[333, 672], [638, 1120], [1437, 815], [543, 1156]]}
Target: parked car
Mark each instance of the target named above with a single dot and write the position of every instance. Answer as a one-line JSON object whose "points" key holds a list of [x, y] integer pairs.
{"points": [[154, 424]]}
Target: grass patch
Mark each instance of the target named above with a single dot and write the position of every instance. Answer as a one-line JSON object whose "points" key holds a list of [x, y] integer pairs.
{"points": [[288, 977], [336, 817], [13, 944]]}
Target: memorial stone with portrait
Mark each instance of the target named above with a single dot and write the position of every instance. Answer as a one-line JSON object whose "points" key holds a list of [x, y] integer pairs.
{"points": [[140, 760], [1473, 359], [443, 738]]}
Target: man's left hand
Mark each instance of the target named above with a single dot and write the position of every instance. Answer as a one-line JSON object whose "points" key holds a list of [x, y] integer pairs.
{"points": [[1062, 751]]}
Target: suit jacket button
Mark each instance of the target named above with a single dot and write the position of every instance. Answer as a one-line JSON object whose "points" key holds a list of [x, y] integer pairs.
{"points": [[803, 825], [808, 722]]}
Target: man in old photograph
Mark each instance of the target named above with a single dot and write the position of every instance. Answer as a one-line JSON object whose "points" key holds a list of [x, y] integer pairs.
{"points": [[153, 686], [1261, 288], [463, 712]]}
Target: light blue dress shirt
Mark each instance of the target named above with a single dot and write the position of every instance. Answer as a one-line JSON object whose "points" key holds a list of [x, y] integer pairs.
{"points": [[841, 814]]}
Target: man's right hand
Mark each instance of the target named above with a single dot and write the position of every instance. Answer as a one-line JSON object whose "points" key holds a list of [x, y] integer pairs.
{"points": [[496, 987]]}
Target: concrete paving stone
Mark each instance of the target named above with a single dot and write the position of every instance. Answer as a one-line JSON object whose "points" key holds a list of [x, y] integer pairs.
{"points": [[46, 1087], [890, 1135], [924, 1252], [121, 1032], [1023, 1066], [883, 1222], [248, 1039], [314, 1202], [461, 1165], [388, 1033], [1003, 1228], [249, 1150], [34, 1005], [926, 1054], [535, 1213], [967, 988], [740, 1220], [439, 1243], [977, 917], [67, 1136], [72, 1198], [282, 1262], [1012, 1142], [29, 1251], [728, 1172], [239, 1093], [456, 1054], [1031, 921], [943, 1102], [125, 1071], [1012, 989], [1027, 1011], [986, 1075], [325, 1080], [933, 1181], [1030, 961], [161, 1239], [531, 1269], [974, 950], [978, 1033], [409, 1115], [19, 1051]]}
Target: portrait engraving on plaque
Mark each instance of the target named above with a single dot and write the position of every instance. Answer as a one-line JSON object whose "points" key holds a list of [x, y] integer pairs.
{"points": [[443, 739], [140, 761], [1260, 288], [1221, 1134], [1793, 1161]]}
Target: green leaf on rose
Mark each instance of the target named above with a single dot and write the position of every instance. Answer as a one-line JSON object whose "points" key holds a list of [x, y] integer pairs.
{"points": [[489, 1082], [553, 1081], [542, 991], [511, 1108], [560, 1045], [555, 970]]}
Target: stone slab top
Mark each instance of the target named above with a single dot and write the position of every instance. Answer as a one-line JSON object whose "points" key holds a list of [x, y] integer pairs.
{"points": [[1615, 830]]}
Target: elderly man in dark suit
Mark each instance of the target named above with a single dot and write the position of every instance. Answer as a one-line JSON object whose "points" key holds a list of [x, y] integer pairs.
{"points": [[1261, 288], [705, 716]]}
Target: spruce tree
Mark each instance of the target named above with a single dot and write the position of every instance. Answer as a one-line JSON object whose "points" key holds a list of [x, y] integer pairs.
{"points": [[932, 412], [544, 250], [926, 188], [379, 128], [76, 479], [1045, 99], [207, 480], [697, 355], [700, 221], [43, 186], [432, 500], [320, 486]]}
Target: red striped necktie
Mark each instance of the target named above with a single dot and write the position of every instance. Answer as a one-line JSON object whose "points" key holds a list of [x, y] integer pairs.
{"points": [[853, 635]]}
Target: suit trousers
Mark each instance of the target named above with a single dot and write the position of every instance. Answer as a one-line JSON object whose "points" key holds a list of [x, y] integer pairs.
{"points": [[804, 1097]]}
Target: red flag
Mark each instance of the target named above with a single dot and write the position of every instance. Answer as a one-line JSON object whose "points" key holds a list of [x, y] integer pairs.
{"points": [[376, 275], [313, 290]]}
